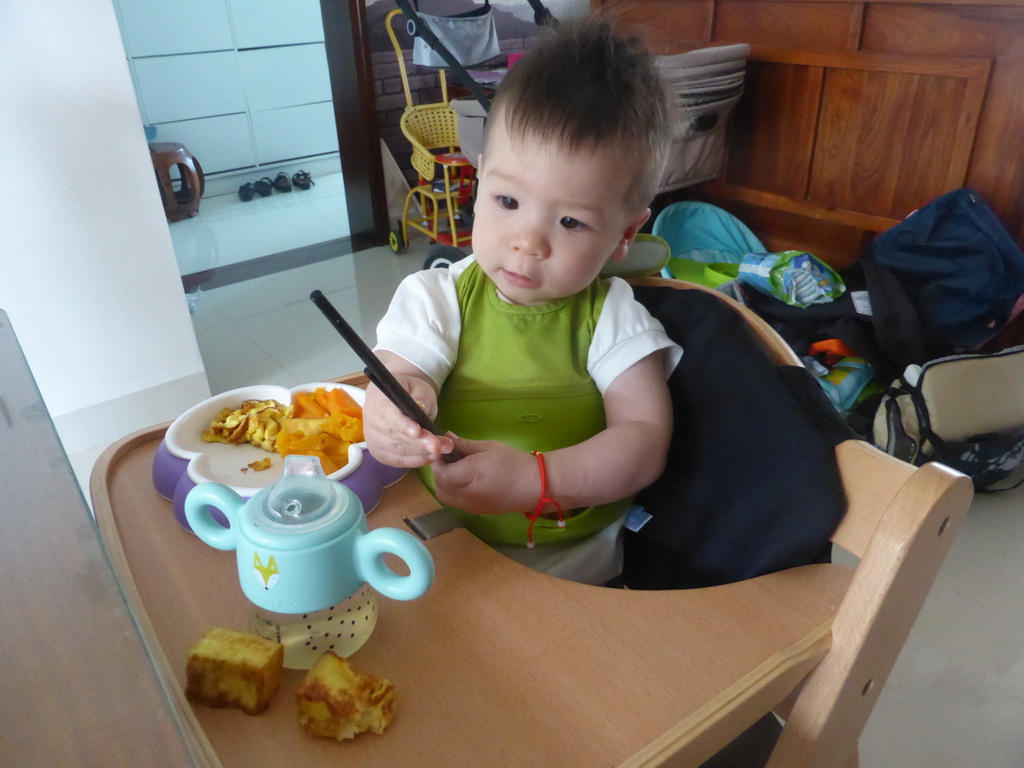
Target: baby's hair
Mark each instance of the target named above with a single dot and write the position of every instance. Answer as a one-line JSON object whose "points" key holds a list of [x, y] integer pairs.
{"points": [[585, 85]]}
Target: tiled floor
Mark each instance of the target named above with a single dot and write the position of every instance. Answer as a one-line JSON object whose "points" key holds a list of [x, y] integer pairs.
{"points": [[956, 696], [267, 330], [227, 230]]}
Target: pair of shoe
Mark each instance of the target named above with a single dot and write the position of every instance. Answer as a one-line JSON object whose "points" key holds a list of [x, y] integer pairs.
{"points": [[303, 180], [281, 183], [248, 190]]}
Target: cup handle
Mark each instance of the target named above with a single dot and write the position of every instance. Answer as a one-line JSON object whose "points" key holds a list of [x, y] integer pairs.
{"points": [[368, 550], [200, 519]]}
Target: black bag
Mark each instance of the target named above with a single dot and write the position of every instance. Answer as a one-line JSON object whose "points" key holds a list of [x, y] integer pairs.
{"points": [[960, 267], [751, 485], [873, 317]]}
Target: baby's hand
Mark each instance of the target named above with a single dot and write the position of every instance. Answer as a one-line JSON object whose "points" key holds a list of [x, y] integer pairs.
{"points": [[395, 439], [491, 478]]}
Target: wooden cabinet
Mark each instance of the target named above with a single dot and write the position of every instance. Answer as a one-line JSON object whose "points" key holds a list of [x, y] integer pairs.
{"points": [[864, 137], [289, 94], [168, 86], [285, 76], [265, 23], [242, 83], [158, 28], [856, 114]]}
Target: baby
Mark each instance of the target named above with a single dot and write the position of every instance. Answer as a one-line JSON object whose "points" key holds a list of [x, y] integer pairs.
{"points": [[549, 380]]}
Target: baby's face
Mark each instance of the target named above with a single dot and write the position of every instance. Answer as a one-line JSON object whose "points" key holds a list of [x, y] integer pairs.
{"points": [[546, 221]]}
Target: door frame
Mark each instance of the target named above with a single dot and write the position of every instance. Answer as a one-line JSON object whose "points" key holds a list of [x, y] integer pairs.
{"points": [[350, 66]]}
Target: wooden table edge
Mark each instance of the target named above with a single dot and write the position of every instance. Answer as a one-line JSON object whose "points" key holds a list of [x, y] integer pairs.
{"points": [[700, 731], [202, 750]]}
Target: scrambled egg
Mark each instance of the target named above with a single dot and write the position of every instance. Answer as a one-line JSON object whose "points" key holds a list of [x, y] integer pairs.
{"points": [[257, 422]]}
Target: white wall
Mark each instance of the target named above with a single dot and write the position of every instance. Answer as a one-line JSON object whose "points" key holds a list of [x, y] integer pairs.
{"points": [[87, 271]]}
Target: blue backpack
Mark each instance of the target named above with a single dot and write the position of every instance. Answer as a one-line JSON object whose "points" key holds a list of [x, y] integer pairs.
{"points": [[959, 266]]}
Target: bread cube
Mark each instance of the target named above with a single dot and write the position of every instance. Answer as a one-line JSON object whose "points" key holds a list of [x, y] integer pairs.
{"points": [[338, 702], [234, 669]]}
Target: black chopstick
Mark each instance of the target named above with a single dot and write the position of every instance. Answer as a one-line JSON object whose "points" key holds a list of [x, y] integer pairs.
{"points": [[377, 372]]}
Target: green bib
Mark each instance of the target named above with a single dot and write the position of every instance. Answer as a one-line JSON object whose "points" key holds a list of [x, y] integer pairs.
{"points": [[521, 378]]}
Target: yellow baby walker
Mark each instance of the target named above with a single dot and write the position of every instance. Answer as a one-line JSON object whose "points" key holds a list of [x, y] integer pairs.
{"points": [[446, 177], [429, 128]]}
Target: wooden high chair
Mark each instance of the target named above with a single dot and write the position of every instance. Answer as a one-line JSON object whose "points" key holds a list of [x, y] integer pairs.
{"points": [[499, 664]]}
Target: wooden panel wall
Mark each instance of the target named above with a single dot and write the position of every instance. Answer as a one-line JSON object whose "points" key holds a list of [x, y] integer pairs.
{"points": [[857, 113]]}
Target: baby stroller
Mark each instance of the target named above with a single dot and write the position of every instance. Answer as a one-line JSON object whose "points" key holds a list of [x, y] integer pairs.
{"points": [[447, 175], [456, 42], [446, 178]]}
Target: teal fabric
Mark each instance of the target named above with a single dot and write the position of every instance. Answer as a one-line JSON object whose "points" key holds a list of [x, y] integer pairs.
{"points": [[703, 232]]}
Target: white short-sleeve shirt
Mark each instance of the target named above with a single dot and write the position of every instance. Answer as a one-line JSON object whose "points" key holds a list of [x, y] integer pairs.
{"points": [[423, 325]]}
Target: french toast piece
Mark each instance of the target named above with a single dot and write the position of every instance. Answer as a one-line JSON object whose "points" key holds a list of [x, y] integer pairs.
{"points": [[234, 669], [337, 702]]}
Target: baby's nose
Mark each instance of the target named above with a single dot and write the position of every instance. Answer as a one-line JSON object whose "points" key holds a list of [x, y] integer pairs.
{"points": [[532, 241]]}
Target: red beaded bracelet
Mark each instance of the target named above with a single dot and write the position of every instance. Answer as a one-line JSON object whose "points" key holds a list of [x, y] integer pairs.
{"points": [[542, 502]]}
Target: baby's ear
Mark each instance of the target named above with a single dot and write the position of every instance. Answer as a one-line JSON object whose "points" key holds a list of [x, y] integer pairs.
{"points": [[622, 249]]}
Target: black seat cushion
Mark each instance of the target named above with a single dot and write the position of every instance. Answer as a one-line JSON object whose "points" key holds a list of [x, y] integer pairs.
{"points": [[751, 485]]}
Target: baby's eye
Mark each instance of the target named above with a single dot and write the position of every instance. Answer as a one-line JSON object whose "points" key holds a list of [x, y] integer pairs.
{"points": [[508, 203], [570, 223]]}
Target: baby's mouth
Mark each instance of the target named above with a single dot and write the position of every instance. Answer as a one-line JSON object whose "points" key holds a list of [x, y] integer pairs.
{"points": [[518, 280]]}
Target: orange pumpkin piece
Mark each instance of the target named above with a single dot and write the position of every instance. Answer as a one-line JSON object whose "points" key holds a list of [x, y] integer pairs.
{"points": [[337, 401], [306, 406], [323, 446], [327, 439], [345, 427], [340, 401], [320, 396]]}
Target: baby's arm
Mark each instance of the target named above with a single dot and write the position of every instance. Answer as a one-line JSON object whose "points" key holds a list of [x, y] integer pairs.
{"points": [[422, 324], [628, 455], [392, 437]]}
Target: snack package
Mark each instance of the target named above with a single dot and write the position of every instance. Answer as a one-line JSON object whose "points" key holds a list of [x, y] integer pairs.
{"points": [[795, 277]]}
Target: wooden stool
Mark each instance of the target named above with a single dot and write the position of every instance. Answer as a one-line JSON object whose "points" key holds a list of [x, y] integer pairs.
{"points": [[182, 203]]}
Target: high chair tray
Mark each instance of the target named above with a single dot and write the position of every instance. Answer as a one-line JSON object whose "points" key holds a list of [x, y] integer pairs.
{"points": [[495, 660]]}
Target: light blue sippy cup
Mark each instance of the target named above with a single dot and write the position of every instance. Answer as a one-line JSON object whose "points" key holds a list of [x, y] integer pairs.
{"points": [[303, 547]]}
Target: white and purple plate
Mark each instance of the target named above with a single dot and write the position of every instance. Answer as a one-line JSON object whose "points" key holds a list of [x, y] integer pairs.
{"points": [[184, 459]]}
